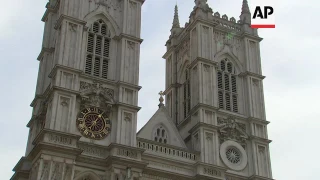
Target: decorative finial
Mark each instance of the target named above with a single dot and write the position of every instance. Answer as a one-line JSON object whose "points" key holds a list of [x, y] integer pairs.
{"points": [[202, 4], [161, 99], [176, 22], [245, 16], [245, 7]]}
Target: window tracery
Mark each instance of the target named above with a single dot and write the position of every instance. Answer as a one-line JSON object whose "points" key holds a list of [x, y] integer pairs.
{"points": [[227, 85], [98, 50], [160, 135]]}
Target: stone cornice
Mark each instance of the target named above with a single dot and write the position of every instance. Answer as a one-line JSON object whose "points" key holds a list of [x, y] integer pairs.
{"points": [[248, 73], [172, 86], [115, 160], [210, 165], [137, 108], [258, 139], [52, 142], [97, 79], [233, 114], [43, 51], [59, 66], [65, 90], [44, 95], [169, 51], [20, 175], [247, 35], [202, 124], [34, 101], [141, 1], [121, 83], [258, 121], [194, 110], [69, 18], [204, 60], [127, 36], [43, 132], [115, 145], [50, 9], [17, 167], [31, 120]]}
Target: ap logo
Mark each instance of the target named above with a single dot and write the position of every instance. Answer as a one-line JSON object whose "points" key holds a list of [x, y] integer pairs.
{"points": [[263, 14]]}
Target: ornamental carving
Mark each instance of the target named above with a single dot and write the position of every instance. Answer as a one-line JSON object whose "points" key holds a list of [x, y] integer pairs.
{"points": [[45, 171], [229, 129], [211, 172], [60, 139], [57, 171], [115, 5], [127, 153], [92, 151], [96, 95]]}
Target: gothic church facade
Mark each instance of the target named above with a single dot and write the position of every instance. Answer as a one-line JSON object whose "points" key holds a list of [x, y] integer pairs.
{"points": [[84, 121]]}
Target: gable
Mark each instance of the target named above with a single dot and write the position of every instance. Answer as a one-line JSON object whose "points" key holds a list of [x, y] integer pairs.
{"points": [[161, 127]]}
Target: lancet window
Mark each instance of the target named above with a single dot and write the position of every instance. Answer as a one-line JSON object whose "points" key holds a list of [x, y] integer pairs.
{"points": [[98, 50], [227, 85]]}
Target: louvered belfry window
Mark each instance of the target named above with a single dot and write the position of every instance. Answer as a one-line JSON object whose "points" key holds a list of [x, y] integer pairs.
{"points": [[227, 85], [186, 94], [97, 59]]}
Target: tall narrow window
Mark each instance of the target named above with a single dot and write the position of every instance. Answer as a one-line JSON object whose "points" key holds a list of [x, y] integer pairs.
{"points": [[186, 94], [98, 48], [227, 85]]}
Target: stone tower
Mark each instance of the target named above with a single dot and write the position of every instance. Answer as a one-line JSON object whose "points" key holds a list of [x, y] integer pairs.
{"points": [[214, 93], [83, 127], [85, 108]]}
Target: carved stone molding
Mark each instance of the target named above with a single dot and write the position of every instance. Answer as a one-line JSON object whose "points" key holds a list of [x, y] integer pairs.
{"points": [[148, 176], [96, 95], [211, 172], [127, 153], [92, 151], [115, 5], [229, 129]]}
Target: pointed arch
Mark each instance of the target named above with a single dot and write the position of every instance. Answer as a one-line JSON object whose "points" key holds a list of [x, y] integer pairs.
{"points": [[100, 13], [228, 87], [181, 73], [88, 175], [227, 53]]}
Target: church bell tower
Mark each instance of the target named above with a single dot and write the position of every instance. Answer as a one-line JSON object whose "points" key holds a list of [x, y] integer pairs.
{"points": [[84, 119], [214, 93]]}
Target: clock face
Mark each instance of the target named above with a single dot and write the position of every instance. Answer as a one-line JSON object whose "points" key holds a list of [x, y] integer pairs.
{"points": [[93, 123]]}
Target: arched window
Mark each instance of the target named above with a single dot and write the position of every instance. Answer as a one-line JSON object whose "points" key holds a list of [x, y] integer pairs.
{"points": [[186, 95], [97, 59], [227, 85], [160, 135]]}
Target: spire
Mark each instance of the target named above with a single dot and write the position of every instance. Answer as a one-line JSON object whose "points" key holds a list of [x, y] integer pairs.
{"points": [[176, 23], [245, 7], [245, 16]]}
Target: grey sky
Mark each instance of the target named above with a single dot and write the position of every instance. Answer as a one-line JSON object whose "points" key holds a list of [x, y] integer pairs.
{"points": [[288, 56]]}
